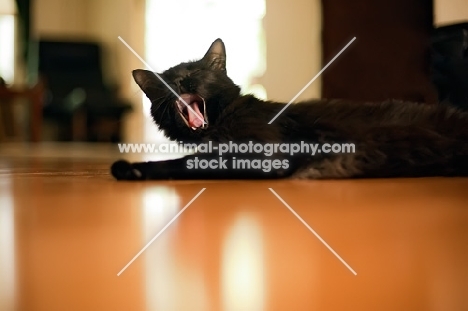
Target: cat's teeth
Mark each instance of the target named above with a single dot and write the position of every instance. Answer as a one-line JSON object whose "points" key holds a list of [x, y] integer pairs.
{"points": [[194, 128]]}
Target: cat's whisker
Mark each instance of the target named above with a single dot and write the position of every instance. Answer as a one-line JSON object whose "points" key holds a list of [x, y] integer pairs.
{"points": [[157, 99], [160, 101], [164, 111]]}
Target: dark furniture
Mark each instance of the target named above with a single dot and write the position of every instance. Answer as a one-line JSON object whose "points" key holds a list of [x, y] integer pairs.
{"points": [[34, 96], [77, 98], [391, 55], [450, 63]]}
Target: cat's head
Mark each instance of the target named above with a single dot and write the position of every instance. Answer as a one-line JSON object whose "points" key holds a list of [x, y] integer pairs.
{"points": [[202, 90]]}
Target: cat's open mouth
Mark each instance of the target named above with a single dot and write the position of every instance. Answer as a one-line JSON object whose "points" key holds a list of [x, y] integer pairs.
{"points": [[193, 111]]}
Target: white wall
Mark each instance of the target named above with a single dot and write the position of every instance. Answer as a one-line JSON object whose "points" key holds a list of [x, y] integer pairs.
{"points": [[294, 56], [60, 18], [450, 11]]}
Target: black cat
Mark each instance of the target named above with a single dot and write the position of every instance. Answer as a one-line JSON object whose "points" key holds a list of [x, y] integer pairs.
{"points": [[391, 139]]}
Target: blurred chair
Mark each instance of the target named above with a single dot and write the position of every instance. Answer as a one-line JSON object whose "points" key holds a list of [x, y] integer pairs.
{"points": [[77, 99], [8, 97]]}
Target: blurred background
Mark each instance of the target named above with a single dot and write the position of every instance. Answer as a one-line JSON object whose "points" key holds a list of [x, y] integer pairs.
{"points": [[67, 77], [66, 229]]}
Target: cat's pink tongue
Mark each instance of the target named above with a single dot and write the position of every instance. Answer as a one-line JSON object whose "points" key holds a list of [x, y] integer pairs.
{"points": [[195, 117]]}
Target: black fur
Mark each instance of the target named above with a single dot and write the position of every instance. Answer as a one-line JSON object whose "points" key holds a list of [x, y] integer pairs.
{"points": [[392, 138]]}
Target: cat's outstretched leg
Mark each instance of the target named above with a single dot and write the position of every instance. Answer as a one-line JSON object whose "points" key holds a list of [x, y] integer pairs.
{"points": [[171, 169], [206, 167], [124, 170]]}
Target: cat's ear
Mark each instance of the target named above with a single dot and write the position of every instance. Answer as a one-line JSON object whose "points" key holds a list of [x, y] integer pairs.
{"points": [[216, 55], [144, 78]]}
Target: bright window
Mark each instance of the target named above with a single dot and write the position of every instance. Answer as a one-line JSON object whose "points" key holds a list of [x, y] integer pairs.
{"points": [[7, 44]]}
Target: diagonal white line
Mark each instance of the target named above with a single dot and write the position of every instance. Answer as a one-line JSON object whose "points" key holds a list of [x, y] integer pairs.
{"points": [[312, 230], [167, 85], [160, 232], [313, 79]]}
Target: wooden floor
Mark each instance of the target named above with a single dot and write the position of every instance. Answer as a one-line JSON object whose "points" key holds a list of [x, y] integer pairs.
{"points": [[67, 229]]}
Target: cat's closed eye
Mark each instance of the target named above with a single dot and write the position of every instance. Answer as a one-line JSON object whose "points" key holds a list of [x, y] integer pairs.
{"points": [[191, 73]]}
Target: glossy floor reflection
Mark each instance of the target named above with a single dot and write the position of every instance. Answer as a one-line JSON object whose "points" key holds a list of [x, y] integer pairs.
{"points": [[67, 228]]}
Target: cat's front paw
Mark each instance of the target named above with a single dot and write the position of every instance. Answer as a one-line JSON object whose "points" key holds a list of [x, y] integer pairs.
{"points": [[124, 170]]}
